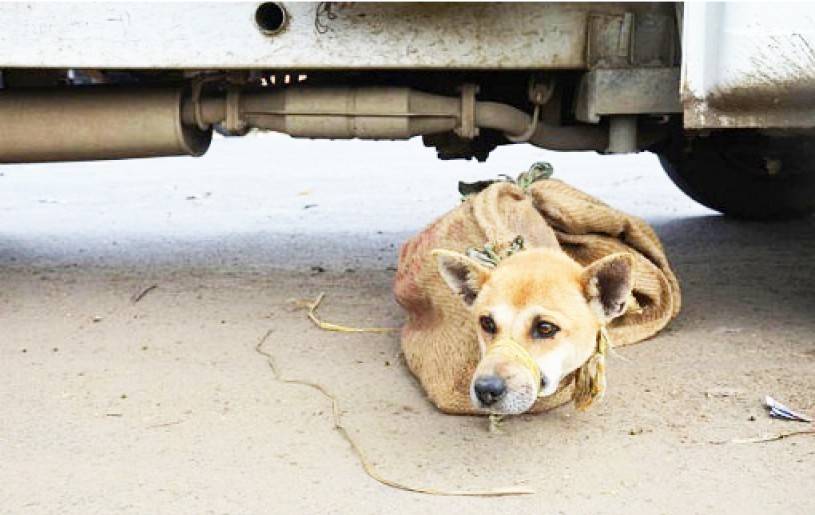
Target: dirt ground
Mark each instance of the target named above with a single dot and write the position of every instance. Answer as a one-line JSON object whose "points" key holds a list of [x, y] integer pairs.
{"points": [[165, 406]]}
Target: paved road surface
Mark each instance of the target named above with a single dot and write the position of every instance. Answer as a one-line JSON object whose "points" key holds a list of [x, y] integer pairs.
{"points": [[164, 406]]}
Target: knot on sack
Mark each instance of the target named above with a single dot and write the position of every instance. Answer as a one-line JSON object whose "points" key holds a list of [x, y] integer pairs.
{"points": [[537, 172], [590, 379], [488, 256]]}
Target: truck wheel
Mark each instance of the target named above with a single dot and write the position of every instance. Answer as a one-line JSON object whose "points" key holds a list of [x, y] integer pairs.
{"points": [[744, 174]]}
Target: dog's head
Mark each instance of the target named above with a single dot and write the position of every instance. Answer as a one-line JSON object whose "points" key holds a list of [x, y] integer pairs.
{"points": [[537, 315]]}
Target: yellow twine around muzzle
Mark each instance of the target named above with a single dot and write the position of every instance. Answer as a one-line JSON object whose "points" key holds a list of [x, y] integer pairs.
{"points": [[517, 352]]}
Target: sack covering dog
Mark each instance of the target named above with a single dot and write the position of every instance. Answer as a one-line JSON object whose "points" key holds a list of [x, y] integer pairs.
{"points": [[440, 339]]}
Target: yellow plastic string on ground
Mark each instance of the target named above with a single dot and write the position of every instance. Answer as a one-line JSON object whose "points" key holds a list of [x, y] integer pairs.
{"points": [[765, 438], [366, 465], [337, 417], [328, 326]]}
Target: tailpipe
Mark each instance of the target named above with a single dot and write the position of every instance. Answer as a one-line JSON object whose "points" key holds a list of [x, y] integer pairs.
{"points": [[96, 122]]}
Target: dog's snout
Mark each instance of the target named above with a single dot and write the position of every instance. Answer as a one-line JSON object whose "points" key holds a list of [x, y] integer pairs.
{"points": [[488, 389]]}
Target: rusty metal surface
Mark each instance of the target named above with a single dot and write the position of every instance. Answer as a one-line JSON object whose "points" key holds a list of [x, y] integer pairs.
{"points": [[628, 91], [635, 38], [349, 35]]}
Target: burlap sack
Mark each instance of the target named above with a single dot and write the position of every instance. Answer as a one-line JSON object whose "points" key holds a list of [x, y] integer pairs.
{"points": [[439, 339]]}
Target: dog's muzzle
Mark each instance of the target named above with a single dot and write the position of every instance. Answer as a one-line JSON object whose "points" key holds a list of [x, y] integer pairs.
{"points": [[519, 354]]}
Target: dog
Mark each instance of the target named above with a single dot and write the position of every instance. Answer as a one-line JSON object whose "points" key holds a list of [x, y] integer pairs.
{"points": [[538, 315]]}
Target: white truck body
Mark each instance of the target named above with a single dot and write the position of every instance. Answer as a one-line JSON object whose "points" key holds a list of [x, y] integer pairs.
{"points": [[748, 64], [315, 35]]}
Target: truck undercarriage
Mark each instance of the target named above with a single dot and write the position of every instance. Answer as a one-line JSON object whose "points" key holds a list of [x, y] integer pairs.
{"points": [[138, 80]]}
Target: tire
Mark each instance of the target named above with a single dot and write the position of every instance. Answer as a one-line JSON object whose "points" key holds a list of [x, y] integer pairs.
{"points": [[745, 174]]}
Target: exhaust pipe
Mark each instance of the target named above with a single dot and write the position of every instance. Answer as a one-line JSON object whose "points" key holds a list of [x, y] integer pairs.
{"points": [[102, 122], [95, 122], [334, 113], [380, 113]]}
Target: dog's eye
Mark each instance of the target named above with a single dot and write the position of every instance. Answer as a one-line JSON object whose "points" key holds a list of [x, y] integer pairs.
{"points": [[488, 324], [542, 329]]}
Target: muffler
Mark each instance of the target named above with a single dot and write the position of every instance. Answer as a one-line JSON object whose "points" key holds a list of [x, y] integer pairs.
{"points": [[95, 122]]}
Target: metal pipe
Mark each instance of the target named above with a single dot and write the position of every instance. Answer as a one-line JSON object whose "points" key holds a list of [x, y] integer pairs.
{"points": [[95, 122], [392, 113], [514, 122], [570, 138], [340, 113], [102, 122], [357, 112], [502, 117], [622, 134]]}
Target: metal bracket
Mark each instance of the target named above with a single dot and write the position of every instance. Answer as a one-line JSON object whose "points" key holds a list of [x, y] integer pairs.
{"points": [[627, 91], [233, 123], [197, 87], [467, 129], [609, 40], [644, 39], [541, 92]]}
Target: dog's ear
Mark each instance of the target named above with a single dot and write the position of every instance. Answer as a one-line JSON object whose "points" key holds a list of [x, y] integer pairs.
{"points": [[607, 284], [464, 275]]}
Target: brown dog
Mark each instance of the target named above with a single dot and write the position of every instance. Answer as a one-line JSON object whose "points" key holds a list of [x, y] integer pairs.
{"points": [[538, 315]]}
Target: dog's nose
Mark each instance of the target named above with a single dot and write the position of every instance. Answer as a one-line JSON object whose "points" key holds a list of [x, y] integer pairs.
{"points": [[488, 389]]}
